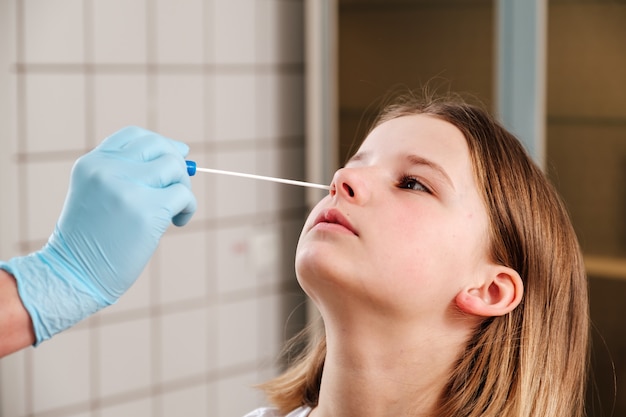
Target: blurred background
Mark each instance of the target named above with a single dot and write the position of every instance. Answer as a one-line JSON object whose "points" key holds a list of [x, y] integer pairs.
{"points": [[282, 88]]}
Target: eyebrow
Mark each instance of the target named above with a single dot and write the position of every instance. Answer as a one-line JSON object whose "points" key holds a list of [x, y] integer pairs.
{"points": [[413, 160], [418, 160]]}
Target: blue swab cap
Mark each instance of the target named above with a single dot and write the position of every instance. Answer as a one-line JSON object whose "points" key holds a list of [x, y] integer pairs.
{"points": [[191, 168]]}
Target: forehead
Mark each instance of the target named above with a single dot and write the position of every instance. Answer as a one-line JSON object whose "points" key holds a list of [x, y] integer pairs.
{"points": [[423, 135]]}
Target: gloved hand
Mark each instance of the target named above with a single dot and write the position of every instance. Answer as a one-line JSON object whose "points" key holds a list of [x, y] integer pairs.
{"points": [[121, 199]]}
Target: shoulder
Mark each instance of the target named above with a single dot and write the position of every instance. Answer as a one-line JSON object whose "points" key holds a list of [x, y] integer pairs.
{"points": [[272, 412]]}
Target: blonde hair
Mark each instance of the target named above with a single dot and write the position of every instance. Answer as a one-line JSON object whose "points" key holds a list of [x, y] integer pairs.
{"points": [[533, 361]]}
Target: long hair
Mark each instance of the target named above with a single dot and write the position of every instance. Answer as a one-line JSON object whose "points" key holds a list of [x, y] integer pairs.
{"points": [[531, 362]]}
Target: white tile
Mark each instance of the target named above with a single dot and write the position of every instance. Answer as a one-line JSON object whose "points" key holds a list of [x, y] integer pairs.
{"points": [[280, 31], [271, 322], [12, 383], [80, 414], [180, 107], [270, 372], [237, 334], [268, 32], [269, 193], [184, 344], [233, 261], [55, 112], [46, 186], [120, 100], [266, 243], [180, 31], [236, 395], [182, 267], [235, 196], [190, 402], [271, 115], [53, 31], [283, 163], [125, 357], [235, 31], [212, 317], [292, 104], [235, 107], [280, 105], [119, 31], [210, 107], [137, 408], [61, 371]]}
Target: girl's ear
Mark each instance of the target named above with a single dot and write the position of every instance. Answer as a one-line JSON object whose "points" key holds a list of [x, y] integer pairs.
{"points": [[496, 296]]}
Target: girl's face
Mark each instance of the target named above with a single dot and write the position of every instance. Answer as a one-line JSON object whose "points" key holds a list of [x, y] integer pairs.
{"points": [[403, 229]]}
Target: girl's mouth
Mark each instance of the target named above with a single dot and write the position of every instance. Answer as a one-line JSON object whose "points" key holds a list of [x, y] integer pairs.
{"points": [[334, 216]]}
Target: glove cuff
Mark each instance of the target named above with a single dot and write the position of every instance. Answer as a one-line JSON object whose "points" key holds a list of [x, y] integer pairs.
{"points": [[53, 304]]}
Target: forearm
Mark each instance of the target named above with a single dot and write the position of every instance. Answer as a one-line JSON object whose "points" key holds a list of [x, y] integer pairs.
{"points": [[16, 327]]}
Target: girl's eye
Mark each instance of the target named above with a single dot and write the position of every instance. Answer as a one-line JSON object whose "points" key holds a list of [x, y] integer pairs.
{"points": [[412, 183]]}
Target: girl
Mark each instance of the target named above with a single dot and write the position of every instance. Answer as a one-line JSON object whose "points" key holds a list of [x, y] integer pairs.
{"points": [[448, 277]]}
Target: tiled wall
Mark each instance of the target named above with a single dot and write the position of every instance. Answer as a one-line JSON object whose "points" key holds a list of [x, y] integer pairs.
{"points": [[206, 319]]}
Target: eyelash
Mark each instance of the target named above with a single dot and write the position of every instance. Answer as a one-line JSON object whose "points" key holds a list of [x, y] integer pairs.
{"points": [[406, 179]]}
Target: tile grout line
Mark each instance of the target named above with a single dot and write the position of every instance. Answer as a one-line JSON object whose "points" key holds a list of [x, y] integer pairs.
{"points": [[184, 68]]}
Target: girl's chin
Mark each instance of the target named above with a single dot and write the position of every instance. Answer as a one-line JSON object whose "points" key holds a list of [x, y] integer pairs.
{"points": [[317, 262]]}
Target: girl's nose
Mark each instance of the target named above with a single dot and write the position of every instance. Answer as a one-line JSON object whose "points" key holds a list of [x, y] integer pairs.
{"points": [[350, 184]]}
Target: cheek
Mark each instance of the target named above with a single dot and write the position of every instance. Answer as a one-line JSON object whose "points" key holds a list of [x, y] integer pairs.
{"points": [[429, 247]]}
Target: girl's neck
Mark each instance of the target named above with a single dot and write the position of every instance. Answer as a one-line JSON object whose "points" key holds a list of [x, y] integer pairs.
{"points": [[390, 374]]}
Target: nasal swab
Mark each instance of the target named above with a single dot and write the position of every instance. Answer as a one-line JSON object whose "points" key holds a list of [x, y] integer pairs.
{"points": [[192, 169]]}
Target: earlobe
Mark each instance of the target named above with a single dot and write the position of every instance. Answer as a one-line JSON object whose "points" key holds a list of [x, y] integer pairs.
{"points": [[496, 296]]}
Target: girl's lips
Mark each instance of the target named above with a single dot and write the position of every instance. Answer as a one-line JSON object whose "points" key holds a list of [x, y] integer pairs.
{"points": [[334, 216]]}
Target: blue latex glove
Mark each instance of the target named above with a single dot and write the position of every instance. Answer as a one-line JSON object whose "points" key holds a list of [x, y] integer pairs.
{"points": [[121, 199]]}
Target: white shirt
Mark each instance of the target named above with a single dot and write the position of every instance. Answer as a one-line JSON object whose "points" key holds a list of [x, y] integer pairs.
{"points": [[272, 412]]}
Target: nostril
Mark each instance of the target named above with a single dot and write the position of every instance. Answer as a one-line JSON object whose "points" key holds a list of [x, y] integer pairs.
{"points": [[348, 189]]}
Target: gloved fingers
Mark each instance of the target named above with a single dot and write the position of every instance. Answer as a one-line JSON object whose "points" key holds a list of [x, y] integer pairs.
{"points": [[134, 142], [164, 172], [151, 146], [181, 202], [114, 179]]}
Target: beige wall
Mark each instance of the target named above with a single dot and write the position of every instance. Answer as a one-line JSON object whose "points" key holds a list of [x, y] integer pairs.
{"points": [[587, 119], [384, 45], [587, 161]]}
